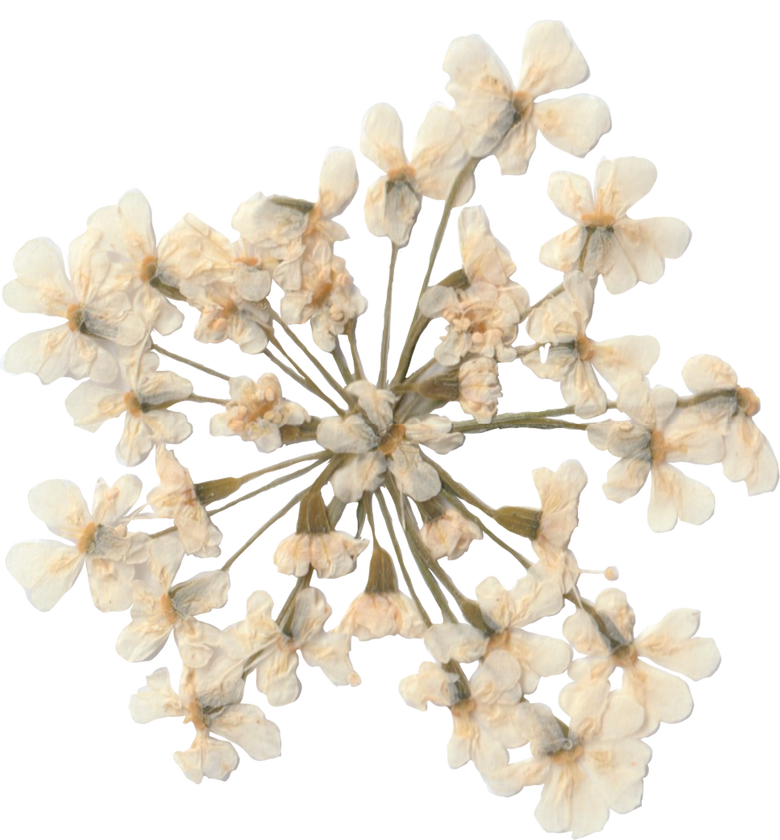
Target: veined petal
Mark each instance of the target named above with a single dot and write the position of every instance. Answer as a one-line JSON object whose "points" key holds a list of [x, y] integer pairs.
{"points": [[551, 60], [338, 181], [382, 137], [674, 495], [574, 124], [45, 569], [208, 757], [621, 182]]}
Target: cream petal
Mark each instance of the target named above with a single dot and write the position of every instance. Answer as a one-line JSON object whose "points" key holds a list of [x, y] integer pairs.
{"points": [[61, 506], [349, 434], [156, 699], [551, 60], [430, 684], [90, 405], [338, 181], [621, 182], [458, 642], [42, 283], [142, 434], [277, 677], [563, 252], [360, 474], [247, 726], [664, 697], [482, 89], [202, 593], [439, 155], [574, 124], [330, 653], [45, 569], [704, 372], [675, 495], [208, 757], [109, 583], [571, 194], [514, 152], [626, 478], [143, 638], [620, 360], [415, 477], [382, 137], [109, 504]]}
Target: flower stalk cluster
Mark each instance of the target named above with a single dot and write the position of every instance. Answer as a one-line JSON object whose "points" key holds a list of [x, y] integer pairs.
{"points": [[373, 442]]}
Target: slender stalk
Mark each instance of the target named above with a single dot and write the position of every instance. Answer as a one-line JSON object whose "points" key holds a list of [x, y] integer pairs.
{"points": [[341, 363], [430, 581], [277, 482], [398, 553], [516, 421], [382, 380], [305, 382], [352, 336], [189, 362], [198, 399], [264, 527], [312, 358], [411, 341], [415, 332], [312, 456], [461, 491]]}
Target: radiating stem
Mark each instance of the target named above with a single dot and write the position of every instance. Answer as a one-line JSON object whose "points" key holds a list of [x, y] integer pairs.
{"points": [[356, 363], [264, 527], [517, 421], [189, 362], [382, 380], [399, 554], [411, 341], [459, 489], [341, 363], [306, 382], [312, 456], [198, 399], [312, 358]]}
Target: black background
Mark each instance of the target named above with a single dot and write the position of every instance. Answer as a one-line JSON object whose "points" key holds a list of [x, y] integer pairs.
{"points": [[202, 111]]}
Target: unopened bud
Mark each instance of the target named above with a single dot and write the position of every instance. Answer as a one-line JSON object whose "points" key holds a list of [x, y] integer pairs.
{"points": [[611, 573]]}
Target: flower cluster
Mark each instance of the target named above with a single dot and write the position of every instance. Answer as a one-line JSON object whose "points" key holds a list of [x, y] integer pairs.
{"points": [[375, 441]]}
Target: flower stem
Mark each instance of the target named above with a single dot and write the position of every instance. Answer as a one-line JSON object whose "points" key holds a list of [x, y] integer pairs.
{"points": [[198, 399], [302, 378], [341, 363], [411, 341], [264, 527], [530, 420], [189, 362], [356, 363], [399, 554], [382, 380]]}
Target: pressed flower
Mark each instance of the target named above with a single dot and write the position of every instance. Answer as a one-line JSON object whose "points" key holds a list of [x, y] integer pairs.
{"points": [[128, 238], [610, 645], [394, 200], [573, 359], [239, 723], [478, 388], [257, 412], [503, 119], [586, 771], [605, 241], [47, 569], [659, 434], [446, 532], [748, 454], [144, 398], [98, 313]]}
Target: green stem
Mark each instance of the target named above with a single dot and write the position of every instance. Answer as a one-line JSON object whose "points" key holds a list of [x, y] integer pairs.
{"points": [[406, 354], [382, 380], [399, 555], [264, 527], [185, 361]]}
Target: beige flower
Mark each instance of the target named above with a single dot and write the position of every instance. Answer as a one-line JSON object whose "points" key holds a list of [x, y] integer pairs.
{"points": [[605, 241], [478, 388], [445, 531]]}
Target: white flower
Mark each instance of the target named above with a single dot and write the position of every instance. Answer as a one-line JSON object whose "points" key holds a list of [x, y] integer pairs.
{"points": [[660, 434], [488, 718], [595, 767], [327, 297], [485, 258], [257, 412], [176, 498], [395, 447], [332, 553], [97, 313], [290, 229], [394, 200], [506, 613], [503, 119], [573, 359], [128, 239], [482, 320], [665, 698], [47, 569], [449, 533], [241, 723], [374, 615], [478, 388], [277, 663], [143, 397], [559, 493], [161, 607], [605, 241], [748, 454]]}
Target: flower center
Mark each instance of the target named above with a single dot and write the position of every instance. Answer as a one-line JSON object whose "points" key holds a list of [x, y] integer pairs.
{"points": [[87, 538], [658, 447], [388, 443], [133, 404], [585, 348], [75, 316], [148, 269]]}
